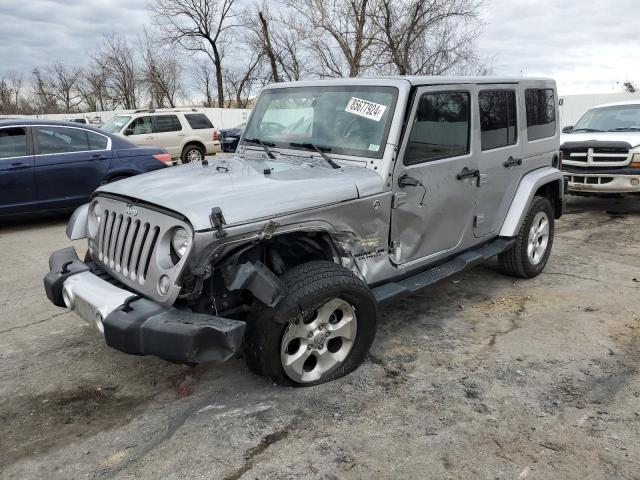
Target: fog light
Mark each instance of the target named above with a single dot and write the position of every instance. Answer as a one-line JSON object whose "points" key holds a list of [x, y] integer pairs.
{"points": [[163, 285], [67, 297], [635, 182], [99, 324]]}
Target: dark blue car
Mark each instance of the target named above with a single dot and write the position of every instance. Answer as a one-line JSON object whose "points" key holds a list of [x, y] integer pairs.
{"points": [[48, 166]]}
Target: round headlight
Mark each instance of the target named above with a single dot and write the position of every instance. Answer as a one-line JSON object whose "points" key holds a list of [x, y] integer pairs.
{"points": [[97, 213], [180, 241]]}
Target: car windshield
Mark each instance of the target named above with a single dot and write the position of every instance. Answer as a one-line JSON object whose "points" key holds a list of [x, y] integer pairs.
{"points": [[116, 123], [349, 120], [618, 118]]}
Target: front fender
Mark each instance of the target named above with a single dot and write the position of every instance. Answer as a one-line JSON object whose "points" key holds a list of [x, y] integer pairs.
{"points": [[529, 185], [77, 226]]}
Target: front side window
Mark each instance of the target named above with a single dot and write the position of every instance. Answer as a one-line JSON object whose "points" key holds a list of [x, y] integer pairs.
{"points": [[348, 120], [116, 123], [140, 126], [13, 142], [166, 123], [61, 140], [541, 113], [440, 127], [198, 121], [498, 123]]}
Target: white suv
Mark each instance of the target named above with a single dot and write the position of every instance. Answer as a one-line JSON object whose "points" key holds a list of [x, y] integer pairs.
{"points": [[185, 134]]}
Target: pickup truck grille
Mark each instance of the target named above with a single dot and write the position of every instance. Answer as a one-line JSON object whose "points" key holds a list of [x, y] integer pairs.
{"points": [[132, 244], [610, 156]]}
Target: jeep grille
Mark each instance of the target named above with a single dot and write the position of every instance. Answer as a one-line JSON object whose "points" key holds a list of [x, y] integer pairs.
{"points": [[133, 245]]}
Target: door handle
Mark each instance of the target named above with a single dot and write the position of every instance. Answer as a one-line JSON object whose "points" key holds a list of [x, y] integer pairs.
{"points": [[97, 156], [149, 137], [468, 173], [18, 166], [513, 162]]}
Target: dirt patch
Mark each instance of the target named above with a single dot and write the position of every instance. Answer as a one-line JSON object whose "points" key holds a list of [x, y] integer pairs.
{"points": [[33, 425]]}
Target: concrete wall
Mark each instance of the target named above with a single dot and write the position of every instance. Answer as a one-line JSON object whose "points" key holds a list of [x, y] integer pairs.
{"points": [[220, 117], [574, 106]]}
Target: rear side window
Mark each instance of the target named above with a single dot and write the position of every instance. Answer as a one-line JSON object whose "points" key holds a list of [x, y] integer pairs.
{"points": [[166, 123], [541, 113], [13, 142], [498, 121], [440, 128], [97, 141], [198, 121], [61, 140]]}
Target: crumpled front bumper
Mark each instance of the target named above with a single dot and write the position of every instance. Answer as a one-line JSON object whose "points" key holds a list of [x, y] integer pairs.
{"points": [[138, 325]]}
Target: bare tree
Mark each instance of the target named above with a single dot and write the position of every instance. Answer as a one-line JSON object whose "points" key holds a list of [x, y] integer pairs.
{"points": [[198, 26], [44, 97], [6, 97], [203, 80], [93, 89], [121, 70], [16, 82], [629, 87], [240, 82], [343, 34], [64, 81], [432, 37], [162, 72]]}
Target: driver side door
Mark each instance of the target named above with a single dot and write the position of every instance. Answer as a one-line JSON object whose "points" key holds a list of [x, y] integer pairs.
{"points": [[435, 177]]}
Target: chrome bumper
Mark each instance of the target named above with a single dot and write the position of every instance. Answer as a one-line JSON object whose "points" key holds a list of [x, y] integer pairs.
{"points": [[603, 183], [137, 325]]}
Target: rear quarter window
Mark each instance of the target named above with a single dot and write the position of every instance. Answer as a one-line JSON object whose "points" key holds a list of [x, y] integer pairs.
{"points": [[198, 121], [166, 123], [541, 113]]}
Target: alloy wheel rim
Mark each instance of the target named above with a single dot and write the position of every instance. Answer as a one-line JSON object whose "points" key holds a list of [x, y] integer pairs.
{"points": [[538, 240], [194, 155], [319, 342]]}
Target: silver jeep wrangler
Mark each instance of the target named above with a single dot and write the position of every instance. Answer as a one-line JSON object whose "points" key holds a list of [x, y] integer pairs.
{"points": [[343, 195]]}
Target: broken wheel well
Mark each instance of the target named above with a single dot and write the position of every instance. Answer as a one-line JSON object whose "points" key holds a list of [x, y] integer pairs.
{"points": [[283, 252]]}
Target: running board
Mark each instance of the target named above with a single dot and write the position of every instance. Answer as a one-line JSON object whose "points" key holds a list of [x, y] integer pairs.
{"points": [[393, 290]]}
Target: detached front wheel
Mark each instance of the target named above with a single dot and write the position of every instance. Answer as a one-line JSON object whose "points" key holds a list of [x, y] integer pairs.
{"points": [[320, 331]]}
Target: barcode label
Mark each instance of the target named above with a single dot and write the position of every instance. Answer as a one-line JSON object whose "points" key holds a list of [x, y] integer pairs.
{"points": [[366, 109]]}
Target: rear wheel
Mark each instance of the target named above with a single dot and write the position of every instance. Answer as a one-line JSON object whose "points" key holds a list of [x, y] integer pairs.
{"points": [[530, 253], [192, 153], [320, 331]]}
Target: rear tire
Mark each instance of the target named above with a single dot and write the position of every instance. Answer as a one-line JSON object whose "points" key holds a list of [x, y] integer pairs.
{"points": [[192, 153], [530, 253], [320, 331]]}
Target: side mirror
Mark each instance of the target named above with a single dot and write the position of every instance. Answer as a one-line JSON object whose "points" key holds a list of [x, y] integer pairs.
{"points": [[568, 129], [127, 132]]}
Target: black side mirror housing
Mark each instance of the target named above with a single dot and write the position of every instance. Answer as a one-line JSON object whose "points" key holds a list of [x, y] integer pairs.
{"points": [[568, 129], [127, 132]]}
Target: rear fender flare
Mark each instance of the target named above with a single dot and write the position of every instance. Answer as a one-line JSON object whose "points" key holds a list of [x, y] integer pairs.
{"points": [[529, 185]]}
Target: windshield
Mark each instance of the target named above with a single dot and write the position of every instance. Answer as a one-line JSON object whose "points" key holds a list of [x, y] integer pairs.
{"points": [[607, 119], [349, 120], [116, 123]]}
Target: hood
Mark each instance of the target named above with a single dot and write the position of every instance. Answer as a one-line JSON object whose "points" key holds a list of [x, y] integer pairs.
{"points": [[242, 189], [632, 138]]}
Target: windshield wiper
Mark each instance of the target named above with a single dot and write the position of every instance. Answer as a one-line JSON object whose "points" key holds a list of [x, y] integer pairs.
{"points": [[625, 129], [264, 145], [319, 149], [586, 130]]}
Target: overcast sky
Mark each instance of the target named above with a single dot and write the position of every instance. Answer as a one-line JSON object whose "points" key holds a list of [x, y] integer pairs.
{"points": [[586, 45]]}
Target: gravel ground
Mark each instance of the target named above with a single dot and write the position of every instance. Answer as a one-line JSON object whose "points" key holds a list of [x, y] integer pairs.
{"points": [[482, 376]]}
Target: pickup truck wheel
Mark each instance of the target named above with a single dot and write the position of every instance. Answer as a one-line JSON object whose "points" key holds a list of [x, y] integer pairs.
{"points": [[528, 257], [321, 330], [192, 153]]}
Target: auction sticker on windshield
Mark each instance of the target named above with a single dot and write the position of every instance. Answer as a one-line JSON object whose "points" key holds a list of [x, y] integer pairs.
{"points": [[365, 108]]}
